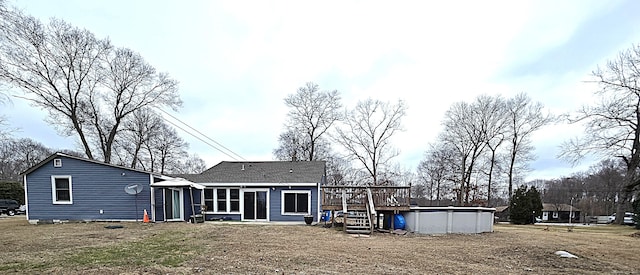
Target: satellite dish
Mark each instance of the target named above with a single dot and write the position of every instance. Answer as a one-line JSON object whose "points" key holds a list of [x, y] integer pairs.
{"points": [[133, 189]]}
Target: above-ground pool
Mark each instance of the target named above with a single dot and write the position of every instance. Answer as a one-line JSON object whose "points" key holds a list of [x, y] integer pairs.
{"points": [[451, 219]]}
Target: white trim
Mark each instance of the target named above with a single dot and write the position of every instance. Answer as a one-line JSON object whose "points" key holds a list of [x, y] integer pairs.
{"points": [[181, 195], [57, 163], [26, 197], [176, 182], [164, 205], [226, 200], [242, 191], [320, 212], [260, 185], [53, 189], [153, 199], [215, 209], [284, 192]]}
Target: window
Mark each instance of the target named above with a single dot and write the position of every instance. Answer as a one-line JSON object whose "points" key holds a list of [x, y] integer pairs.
{"points": [[555, 215], [57, 162], [234, 200], [61, 190], [296, 202], [222, 200], [208, 199]]}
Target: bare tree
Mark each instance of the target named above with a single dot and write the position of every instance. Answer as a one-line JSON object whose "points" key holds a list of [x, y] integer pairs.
{"points": [[367, 133], [436, 171], [524, 118], [607, 181], [138, 129], [496, 125], [611, 125], [17, 155], [86, 85], [465, 130], [165, 148], [339, 170], [55, 65], [292, 146], [311, 114], [191, 164], [131, 84]]}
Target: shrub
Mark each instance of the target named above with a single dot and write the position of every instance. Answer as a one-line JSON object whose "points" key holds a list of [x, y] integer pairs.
{"points": [[525, 205], [12, 190]]}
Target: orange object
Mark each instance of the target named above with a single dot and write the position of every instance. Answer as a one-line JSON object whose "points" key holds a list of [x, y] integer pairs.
{"points": [[146, 217]]}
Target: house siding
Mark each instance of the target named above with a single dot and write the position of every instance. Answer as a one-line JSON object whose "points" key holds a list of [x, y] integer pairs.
{"points": [[275, 209], [95, 187]]}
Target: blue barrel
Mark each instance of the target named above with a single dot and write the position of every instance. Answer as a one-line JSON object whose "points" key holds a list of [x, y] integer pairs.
{"points": [[398, 221], [327, 215]]}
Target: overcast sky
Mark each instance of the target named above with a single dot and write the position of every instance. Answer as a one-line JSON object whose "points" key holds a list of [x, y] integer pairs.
{"points": [[237, 60]]}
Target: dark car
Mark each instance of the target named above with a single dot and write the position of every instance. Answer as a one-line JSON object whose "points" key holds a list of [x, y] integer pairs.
{"points": [[9, 207]]}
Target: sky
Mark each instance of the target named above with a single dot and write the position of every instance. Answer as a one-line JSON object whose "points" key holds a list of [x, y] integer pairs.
{"points": [[236, 61]]}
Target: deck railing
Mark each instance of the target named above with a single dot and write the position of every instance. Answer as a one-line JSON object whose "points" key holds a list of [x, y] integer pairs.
{"points": [[382, 196]]}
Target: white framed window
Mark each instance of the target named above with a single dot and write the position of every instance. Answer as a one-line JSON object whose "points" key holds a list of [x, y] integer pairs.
{"points": [[296, 202], [555, 214], [57, 162], [61, 190], [222, 200], [208, 199], [234, 200]]}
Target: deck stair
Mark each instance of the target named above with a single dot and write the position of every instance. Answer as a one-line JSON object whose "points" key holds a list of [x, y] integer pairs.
{"points": [[357, 222]]}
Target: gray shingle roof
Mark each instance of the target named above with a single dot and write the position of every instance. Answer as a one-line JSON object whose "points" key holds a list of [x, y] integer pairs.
{"points": [[558, 207], [261, 172]]}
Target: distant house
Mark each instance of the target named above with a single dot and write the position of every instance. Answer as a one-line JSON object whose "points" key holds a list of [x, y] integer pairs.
{"points": [[502, 213], [552, 212], [64, 187], [261, 191]]}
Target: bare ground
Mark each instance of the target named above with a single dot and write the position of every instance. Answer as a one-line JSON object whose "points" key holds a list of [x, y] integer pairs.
{"points": [[215, 248]]}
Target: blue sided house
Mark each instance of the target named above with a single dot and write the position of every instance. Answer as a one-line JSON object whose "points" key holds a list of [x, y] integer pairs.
{"points": [[69, 188], [261, 191]]}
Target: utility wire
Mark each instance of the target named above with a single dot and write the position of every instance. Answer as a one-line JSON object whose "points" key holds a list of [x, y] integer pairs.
{"points": [[228, 152]]}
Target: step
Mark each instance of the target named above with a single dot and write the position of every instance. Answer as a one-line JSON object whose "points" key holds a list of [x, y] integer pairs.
{"points": [[359, 227], [358, 214], [355, 231]]}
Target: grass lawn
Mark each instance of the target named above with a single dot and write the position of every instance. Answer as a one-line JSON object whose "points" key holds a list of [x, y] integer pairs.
{"points": [[212, 248]]}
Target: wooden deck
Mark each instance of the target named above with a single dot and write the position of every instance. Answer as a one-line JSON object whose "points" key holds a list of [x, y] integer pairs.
{"points": [[384, 198]]}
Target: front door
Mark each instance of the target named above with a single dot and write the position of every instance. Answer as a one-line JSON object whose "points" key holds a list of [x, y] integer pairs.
{"points": [[255, 205], [173, 204]]}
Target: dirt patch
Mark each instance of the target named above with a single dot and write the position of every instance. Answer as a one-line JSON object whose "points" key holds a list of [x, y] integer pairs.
{"points": [[213, 248]]}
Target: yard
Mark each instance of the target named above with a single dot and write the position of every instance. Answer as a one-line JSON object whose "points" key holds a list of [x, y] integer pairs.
{"points": [[179, 248]]}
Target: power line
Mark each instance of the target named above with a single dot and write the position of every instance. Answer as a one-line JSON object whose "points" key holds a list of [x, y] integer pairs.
{"points": [[228, 152]]}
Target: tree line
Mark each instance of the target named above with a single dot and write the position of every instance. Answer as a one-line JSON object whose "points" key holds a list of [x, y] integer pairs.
{"points": [[481, 143], [484, 147]]}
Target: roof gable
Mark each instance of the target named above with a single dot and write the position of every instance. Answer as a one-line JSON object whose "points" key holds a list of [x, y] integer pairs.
{"points": [[262, 172], [551, 207], [59, 155]]}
